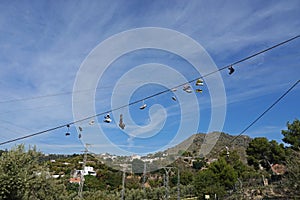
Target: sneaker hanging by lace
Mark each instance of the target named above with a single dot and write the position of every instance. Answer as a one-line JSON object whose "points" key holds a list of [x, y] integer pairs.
{"points": [[143, 106], [92, 122], [231, 70], [68, 131], [199, 82], [107, 118], [80, 129], [187, 88], [174, 89], [121, 123], [227, 151]]}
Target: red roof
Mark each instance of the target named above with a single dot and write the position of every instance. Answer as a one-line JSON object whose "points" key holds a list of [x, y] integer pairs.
{"points": [[278, 169], [75, 180]]}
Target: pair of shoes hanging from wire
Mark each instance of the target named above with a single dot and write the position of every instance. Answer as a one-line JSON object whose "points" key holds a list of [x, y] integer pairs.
{"points": [[173, 97], [227, 151], [68, 131], [199, 82], [92, 122], [121, 123], [107, 118], [231, 70], [80, 129], [143, 106], [187, 88]]}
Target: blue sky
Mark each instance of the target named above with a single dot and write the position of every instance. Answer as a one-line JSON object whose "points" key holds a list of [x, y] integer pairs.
{"points": [[44, 43]]}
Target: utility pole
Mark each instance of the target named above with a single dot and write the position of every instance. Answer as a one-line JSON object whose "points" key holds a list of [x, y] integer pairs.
{"points": [[123, 185], [80, 189], [167, 171], [125, 167], [178, 184], [144, 175]]}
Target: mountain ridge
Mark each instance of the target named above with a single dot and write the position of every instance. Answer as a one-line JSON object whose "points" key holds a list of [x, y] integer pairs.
{"points": [[223, 140]]}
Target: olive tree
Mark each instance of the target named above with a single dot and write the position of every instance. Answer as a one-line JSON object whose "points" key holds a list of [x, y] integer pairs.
{"points": [[22, 177], [292, 134]]}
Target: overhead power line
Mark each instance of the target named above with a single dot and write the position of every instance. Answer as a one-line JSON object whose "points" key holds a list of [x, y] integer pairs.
{"points": [[35, 97], [66, 93], [57, 94], [162, 92], [261, 115], [265, 112]]}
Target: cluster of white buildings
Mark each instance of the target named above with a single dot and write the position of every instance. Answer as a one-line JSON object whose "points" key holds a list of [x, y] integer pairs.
{"points": [[148, 159], [76, 174], [86, 171]]}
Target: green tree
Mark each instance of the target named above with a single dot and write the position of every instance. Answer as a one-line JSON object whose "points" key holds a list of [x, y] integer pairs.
{"points": [[100, 194], [93, 183], [186, 154], [292, 134], [1, 152], [135, 194], [207, 182], [261, 151], [234, 160], [186, 177], [110, 177], [225, 173], [292, 177], [277, 153], [133, 182], [257, 150], [137, 166], [23, 177], [199, 163], [219, 177]]}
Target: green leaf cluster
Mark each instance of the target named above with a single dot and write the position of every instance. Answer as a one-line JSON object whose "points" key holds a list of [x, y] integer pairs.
{"points": [[22, 177]]}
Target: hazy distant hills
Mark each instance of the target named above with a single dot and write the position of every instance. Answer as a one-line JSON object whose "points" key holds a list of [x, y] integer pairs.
{"points": [[209, 145], [197, 145]]}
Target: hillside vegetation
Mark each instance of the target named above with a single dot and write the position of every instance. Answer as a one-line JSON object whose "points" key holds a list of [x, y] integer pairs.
{"points": [[235, 168]]}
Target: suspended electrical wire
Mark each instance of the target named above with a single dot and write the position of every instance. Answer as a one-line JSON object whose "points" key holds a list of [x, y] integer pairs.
{"points": [[14, 124], [61, 126], [162, 92], [262, 114], [267, 110], [36, 97], [229, 67], [62, 93]]}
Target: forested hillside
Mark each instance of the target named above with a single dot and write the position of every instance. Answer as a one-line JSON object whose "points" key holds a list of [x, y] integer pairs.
{"points": [[244, 169]]}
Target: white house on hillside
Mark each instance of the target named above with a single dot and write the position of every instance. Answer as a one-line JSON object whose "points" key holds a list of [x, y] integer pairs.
{"points": [[87, 171], [135, 157]]}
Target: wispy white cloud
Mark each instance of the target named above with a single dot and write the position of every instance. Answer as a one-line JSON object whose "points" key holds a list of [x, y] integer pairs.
{"points": [[270, 132], [43, 45]]}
